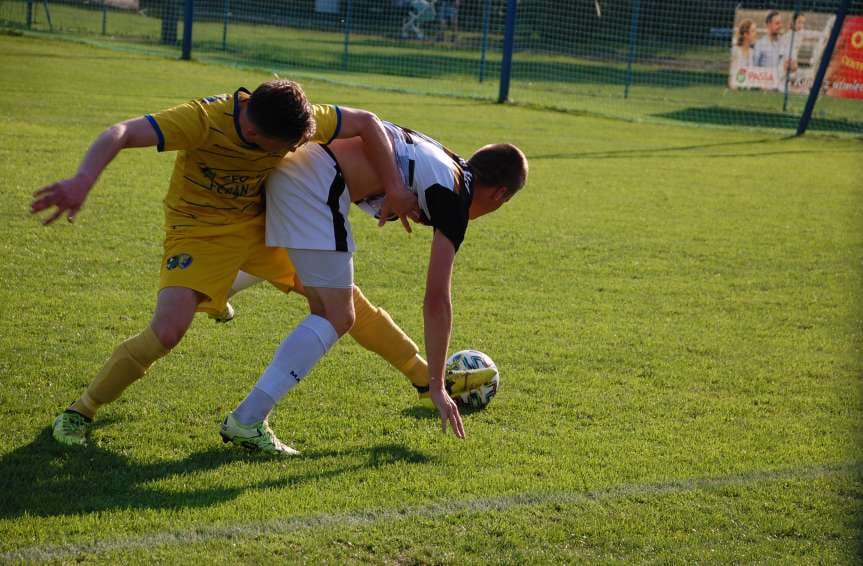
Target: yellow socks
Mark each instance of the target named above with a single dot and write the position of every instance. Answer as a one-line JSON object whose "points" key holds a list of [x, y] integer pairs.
{"points": [[126, 365], [374, 330]]}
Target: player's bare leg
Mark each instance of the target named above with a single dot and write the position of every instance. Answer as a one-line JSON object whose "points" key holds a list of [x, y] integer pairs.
{"points": [[175, 309], [373, 329], [376, 331]]}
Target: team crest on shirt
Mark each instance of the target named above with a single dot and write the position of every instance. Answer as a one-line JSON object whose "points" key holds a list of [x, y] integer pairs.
{"points": [[180, 260], [216, 98]]}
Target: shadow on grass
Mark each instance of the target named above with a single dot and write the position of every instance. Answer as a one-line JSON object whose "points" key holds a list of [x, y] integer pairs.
{"points": [[731, 117], [75, 56], [432, 62], [663, 152], [46, 479], [423, 412], [636, 152]]}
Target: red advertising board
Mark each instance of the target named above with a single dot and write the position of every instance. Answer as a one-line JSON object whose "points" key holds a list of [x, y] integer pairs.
{"points": [[845, 73]]}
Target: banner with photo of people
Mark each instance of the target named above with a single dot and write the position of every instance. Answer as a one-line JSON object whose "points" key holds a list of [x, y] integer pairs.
{"points": [[779, 50]]}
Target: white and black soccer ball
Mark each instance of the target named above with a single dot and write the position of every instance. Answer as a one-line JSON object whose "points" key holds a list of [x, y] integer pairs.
{"points": [[480, 395]]}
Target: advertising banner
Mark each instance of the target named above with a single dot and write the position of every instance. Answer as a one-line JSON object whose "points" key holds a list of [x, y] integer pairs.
{"points": [[845, 74], [775, 50], [779, 50]]}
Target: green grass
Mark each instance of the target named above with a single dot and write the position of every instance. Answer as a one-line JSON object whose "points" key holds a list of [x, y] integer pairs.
{"points": [[675, 311], [680, 86]]}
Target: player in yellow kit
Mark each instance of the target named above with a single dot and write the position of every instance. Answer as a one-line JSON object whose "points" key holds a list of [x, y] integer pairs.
{"points": [[214, 226]]}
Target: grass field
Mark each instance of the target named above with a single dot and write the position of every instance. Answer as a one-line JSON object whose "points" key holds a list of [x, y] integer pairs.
{"points": [[675, 311], [667, 85]]}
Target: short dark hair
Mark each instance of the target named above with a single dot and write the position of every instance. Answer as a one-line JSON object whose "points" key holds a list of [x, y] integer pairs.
{"points": [[770, 15], [499, 165], [279, 109]]}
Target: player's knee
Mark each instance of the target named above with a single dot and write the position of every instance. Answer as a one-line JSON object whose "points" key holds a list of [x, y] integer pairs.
{"points": [[342, 320], [335, 305], [175, 310], [169, 333]]}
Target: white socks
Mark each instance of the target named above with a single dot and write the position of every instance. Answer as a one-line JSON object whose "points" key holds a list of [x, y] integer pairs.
{"points": [[255, 404], [295, 357], [243, 281]]}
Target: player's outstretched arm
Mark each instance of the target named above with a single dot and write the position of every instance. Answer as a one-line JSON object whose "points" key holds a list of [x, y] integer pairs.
{"points": [[68, 195], [437, 314], [379, 151]]}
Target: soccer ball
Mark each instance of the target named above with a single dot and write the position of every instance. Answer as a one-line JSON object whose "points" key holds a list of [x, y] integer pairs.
{"points": [[473, 395]]}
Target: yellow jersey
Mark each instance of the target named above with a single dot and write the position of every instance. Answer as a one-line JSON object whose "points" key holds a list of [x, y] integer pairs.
{"points": [[219, 177]]}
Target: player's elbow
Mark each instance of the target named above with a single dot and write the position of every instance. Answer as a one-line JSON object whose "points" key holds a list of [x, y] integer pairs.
{"points": [[114, 134], [137, 132], [117, 135]]}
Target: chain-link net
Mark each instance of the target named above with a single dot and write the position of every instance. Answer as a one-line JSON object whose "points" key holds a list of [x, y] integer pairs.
{"points": [[687, 62], [700, 62], [155, 25]]}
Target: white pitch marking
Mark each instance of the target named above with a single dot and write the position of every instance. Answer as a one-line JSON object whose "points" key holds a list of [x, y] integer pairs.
{"points": [[370, 516]]}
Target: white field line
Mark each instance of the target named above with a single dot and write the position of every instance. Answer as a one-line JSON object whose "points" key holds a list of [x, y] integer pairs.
{"points": [[433, 510]]}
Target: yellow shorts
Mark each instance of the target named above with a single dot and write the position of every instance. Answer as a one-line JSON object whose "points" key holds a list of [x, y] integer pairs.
{"points": [[208, 261]]}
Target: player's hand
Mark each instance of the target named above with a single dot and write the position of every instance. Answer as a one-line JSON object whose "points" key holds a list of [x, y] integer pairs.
{"points": [[448, 412], [67, 196], [403, 204]]}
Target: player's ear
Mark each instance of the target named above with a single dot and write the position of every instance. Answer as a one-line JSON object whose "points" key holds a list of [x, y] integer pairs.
{"points": [[500, 194], [251, 131]]}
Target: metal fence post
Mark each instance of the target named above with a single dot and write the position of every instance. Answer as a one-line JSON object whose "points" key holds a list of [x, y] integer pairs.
{"points": [[349, 10], [486, 24], [48, 15], [508, 42], [797, 8], [188, 14], [227, 14], [104, 16], [633, 37], [29, 14], [822, 68]]}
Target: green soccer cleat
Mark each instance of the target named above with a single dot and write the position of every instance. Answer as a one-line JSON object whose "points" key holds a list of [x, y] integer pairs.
{"points": [[226, 315], [256, 437], [70, 428]]}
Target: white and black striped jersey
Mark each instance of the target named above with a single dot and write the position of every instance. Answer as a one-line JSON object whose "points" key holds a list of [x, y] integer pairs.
{"points": [[441, 180]]}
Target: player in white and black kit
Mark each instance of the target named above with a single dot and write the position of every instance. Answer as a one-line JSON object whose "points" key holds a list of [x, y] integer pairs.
{"points": [[308, 200], [440, 179]]}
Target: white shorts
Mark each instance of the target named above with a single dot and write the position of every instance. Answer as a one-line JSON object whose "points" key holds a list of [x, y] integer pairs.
{"points": [[321, 268], [308, 203]]}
